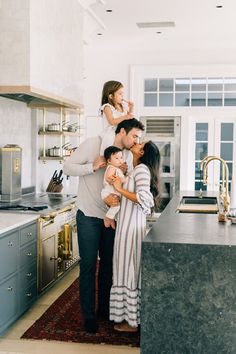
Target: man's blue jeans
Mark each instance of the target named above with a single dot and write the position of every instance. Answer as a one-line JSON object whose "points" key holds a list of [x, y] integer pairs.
{"points": [[94, 238]]}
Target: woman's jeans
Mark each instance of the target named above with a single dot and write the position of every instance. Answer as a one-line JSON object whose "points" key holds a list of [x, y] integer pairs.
{"points": [[94, 239]]}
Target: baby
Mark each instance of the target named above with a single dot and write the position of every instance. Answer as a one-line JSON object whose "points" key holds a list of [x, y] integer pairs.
{"points": [[114, 158]]}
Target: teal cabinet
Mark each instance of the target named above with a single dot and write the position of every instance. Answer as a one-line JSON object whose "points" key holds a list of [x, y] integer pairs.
{"points": [[8, 301], [9, 248], [18, 273]]}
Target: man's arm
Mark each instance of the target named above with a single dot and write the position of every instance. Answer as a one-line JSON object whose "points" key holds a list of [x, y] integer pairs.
{"points": [[78, 165]]}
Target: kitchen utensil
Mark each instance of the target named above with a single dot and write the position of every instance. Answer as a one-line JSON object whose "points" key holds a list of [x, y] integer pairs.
{"points": [[53, 127], [51, 181], [54, 152]]}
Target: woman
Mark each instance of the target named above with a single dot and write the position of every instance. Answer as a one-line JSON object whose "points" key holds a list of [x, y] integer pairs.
{"points": [[139, 195]]}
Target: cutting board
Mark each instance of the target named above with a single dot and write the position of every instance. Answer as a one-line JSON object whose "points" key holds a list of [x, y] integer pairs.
{"points": [[198, 208]]}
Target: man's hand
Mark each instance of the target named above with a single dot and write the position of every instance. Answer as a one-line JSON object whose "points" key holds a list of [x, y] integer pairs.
{"points": [[124, 168], [98, 163], [112, 200]]}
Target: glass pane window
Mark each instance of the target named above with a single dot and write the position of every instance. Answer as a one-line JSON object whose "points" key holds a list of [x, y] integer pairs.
{"points": [[201, 151], [197, 171], [230, 84], [182, 99], [198, 84], [150, 100], [230, 99], [227, 132], [199, 185], [201, 131], [226, 151], [198, 99], [182, 84], [215, 99], [166, 99], [150, 85], [215, 84], [166, 85]]}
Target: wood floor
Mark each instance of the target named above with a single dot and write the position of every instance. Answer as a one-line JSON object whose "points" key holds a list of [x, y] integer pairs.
{"points": [[11, 343]]}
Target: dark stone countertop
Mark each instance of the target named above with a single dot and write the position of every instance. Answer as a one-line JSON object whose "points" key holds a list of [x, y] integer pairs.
{"points": [[190, 228]]}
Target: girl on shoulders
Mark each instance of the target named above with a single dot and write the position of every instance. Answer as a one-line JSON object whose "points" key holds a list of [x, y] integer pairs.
{"points": [[114, 110]]}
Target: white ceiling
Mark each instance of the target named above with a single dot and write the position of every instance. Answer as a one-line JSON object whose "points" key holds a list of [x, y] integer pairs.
{"points": [[198, 24]]}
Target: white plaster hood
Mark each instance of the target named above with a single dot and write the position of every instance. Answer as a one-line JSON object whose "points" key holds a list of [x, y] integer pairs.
{"points": [[34, 97]]}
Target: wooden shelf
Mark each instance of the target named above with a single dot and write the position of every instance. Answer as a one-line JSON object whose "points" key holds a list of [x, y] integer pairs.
{"points": [[51, 158], [56, 133]]}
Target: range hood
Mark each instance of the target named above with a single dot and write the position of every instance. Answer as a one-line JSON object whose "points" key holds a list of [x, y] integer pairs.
{"points": [[34, 97]]}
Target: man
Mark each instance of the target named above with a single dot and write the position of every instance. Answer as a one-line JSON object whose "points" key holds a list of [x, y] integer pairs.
{"points": [[93, 236]]}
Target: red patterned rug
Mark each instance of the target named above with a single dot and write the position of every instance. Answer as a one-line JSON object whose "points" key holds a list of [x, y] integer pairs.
{"points": [[63, 322]]}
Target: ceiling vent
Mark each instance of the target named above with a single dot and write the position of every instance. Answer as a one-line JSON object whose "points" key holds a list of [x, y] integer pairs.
{"points": [[155, 24], [155, 126]]}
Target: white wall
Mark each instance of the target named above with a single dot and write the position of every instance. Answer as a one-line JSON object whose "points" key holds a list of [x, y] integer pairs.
{"points": [[129, 68], [56, 47], [15, 128], [14, 42], [41, 44]]}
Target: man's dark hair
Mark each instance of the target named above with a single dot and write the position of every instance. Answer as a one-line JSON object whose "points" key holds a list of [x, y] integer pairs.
{"points": [[110, 150], [129, 124]]}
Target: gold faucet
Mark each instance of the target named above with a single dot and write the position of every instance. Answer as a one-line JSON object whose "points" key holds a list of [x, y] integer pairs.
{"points": [[224, 190]]}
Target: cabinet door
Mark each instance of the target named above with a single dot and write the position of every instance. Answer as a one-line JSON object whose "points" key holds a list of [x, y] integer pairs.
{"points": [[28, 275], [8, 301], [48, 262], [27, 296], [28, 234], [9, 246], [28, 254]]}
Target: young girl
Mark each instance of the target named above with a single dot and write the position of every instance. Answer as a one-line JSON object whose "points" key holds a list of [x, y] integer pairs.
{"points": [[114, 110]]}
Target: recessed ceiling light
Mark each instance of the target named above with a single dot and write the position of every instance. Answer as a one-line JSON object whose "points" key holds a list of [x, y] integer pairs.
{"points": [[219, 6], [109, 10], [155, 24], [99, 34]]}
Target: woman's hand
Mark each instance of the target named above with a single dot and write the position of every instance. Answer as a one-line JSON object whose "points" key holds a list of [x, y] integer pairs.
{"points": [[117, 183]]}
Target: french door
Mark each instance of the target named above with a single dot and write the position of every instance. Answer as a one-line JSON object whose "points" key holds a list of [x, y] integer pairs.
{"points": [[212, 136]]}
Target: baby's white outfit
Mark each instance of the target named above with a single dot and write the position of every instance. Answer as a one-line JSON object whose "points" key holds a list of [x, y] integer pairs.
{"points": [[108, 134], [109, 189]]}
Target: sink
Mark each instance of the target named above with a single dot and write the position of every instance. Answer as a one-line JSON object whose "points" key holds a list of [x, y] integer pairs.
{"points": [[194, 204], [198, 200]]}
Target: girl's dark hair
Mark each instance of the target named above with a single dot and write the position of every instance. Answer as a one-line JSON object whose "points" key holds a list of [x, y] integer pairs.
{"points": [[151, 158], [109, 88], [110, 150]]}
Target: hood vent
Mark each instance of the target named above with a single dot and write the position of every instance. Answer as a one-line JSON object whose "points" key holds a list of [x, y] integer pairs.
{"points": [[36, 98], [158, 126]]}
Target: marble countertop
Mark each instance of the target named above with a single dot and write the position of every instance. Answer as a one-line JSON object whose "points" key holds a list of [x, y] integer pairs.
{"points": [[9, 221], [190, 228]]}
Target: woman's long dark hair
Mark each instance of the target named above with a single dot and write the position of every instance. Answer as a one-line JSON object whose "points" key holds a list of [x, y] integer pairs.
{"points": [[151, 158]]}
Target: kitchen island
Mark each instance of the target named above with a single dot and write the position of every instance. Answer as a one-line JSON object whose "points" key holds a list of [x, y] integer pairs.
{"points": [[189, 284]]}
